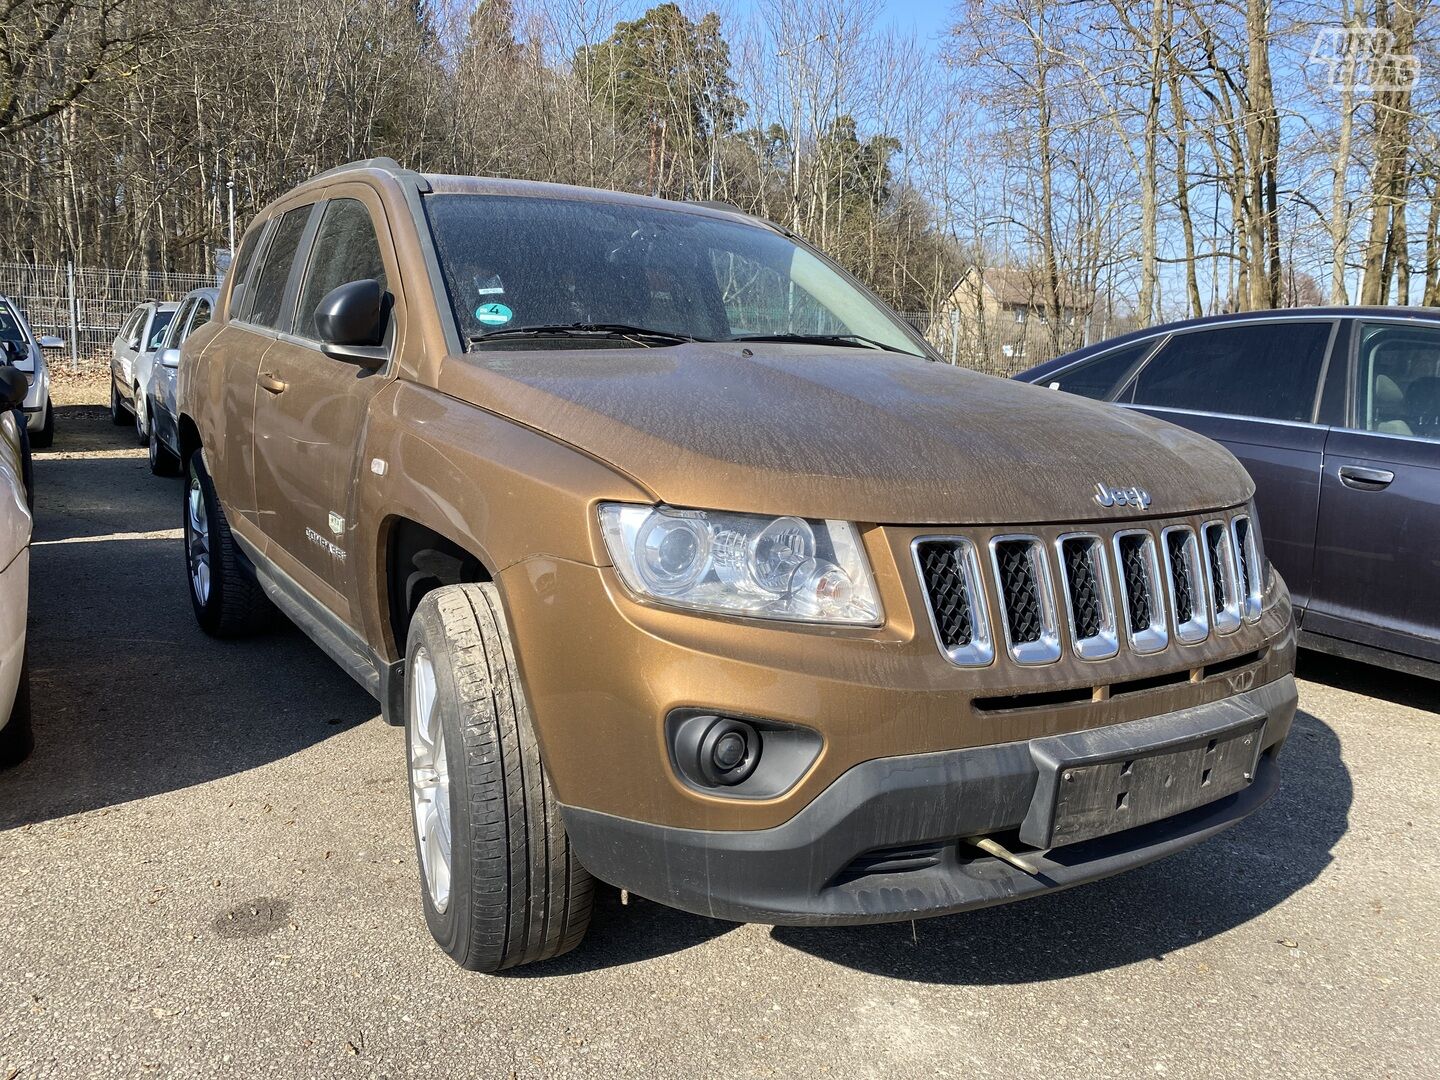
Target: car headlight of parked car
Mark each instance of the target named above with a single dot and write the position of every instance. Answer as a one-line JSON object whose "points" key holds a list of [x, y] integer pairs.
{"points": [[742, 564]]}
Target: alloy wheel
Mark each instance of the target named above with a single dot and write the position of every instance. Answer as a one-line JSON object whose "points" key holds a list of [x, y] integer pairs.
{"points": [[197, 540], [429, 780]]}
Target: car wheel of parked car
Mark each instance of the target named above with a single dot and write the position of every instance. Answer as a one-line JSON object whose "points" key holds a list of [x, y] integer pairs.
{"points": [[227, 599], [16, 737], [162, 461], [142, 429], [46, 435], [499, 883], [117, 408]]}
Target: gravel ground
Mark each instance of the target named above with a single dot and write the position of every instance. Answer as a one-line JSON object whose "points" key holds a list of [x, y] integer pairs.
{"points": [[206, 869]]}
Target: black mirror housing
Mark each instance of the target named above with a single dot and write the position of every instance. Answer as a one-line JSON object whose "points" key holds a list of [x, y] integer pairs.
{"points": [[351, 321], [13, 387]]}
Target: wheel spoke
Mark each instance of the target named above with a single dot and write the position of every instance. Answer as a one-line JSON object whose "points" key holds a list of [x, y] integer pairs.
{"points": [[429, 778]]}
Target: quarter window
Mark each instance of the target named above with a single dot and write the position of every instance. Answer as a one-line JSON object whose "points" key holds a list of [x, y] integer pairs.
{"points": [[1399, 380], [1097, 378], [274, 271], [1268, 370], [243, 269], [345, 249]]}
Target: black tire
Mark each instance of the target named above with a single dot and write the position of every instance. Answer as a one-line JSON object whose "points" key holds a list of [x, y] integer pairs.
{"points": [[162, 461], [17, 738], [234, 605], [517, 893], [117, 407], [43, 438]]}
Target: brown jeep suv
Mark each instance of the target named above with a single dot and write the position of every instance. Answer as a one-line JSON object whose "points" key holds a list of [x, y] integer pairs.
{"points": [[686, 566]]}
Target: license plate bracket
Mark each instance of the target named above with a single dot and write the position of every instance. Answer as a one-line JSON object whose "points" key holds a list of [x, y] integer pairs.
{"points": [[1081, 796]]}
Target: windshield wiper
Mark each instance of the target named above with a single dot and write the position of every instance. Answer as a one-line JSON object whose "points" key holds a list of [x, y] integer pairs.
{"points": [[639, 334], [851, 341]]}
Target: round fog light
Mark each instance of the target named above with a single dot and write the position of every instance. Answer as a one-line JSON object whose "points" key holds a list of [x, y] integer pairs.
{"points": [[729, 752]]}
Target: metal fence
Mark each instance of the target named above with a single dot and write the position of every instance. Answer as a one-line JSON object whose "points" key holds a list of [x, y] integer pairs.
{"points": [[87, 305]]}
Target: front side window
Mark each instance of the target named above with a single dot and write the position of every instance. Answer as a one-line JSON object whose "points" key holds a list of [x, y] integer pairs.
{"points": [[1097, 378], [512, 263], [345, 249], [244, 271], [177, 326], [274, 271], [1267, 370], [1399, 380], [202, 315]]}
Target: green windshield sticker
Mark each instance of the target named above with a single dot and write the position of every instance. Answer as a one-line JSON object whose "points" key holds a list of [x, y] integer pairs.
{"points": [[494, 314]]}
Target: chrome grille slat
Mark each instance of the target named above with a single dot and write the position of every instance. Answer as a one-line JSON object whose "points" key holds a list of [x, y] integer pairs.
{"points": [[1027, 598], [1089, 606], [1221, 569], [1141, 598], [955, 597], [1186, 581], [1248, 571]]}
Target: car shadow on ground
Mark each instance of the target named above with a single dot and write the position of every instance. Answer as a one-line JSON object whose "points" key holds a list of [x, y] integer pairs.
{"points": [[1370, 681], [130, 698]]}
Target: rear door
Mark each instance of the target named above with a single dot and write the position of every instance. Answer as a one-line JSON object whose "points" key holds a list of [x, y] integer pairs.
{"points": [[311, 411], [1254, 387], [126, 347], [1377, 564]]}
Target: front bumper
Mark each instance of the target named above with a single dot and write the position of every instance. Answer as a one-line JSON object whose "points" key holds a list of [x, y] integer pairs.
{"points": [[884, 842]]}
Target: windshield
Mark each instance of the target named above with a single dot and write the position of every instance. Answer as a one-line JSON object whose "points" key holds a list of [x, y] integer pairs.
{"points": [[514, 262], [10, 326], [157, 329]]}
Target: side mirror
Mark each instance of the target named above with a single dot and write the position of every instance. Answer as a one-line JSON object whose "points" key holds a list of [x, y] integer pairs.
{"points": [[351, 322], [13, 387], [170, 358], [50, 341]]}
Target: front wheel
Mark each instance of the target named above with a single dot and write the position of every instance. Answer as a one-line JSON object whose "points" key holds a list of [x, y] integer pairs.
{"points": [[43, 438], [142, 432], [117, 408], [499, 883], [163, 461], [227, 600]]}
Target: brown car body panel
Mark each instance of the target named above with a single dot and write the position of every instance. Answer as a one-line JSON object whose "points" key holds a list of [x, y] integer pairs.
{"points": [[509, 454]]}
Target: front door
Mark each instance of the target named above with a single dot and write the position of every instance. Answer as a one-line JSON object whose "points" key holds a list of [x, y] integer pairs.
{"points": [[1253, 387], [311, 411], [1377, 559]]}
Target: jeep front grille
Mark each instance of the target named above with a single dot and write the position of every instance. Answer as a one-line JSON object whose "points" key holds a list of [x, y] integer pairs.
{"points": [[1133, 587]]}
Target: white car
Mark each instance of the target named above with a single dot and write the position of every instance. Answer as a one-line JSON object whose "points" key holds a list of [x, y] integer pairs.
{"points": [[132, 354], [15, 524], [15, 331]]}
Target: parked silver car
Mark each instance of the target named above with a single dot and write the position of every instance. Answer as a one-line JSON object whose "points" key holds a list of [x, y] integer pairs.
{"points": [[132, 354], [38, 412], [163, 432]]}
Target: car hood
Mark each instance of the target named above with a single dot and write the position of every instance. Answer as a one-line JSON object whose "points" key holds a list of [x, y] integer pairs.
{"points": [[846, 433]]}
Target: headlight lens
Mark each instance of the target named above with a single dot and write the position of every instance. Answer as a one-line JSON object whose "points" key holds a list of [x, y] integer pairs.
{"points": [[743, 564]]}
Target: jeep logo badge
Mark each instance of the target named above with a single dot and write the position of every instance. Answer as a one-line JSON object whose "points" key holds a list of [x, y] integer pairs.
{"points": [[1137, 497]]}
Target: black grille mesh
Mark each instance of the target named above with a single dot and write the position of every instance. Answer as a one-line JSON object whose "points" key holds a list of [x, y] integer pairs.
{"points": [[1242, 544], [1215, 548], [1083, 578], [944, 581], [1180, 574], [1136, 571], [1020, 590]]}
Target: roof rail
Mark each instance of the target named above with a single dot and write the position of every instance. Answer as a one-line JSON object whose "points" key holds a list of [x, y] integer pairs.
{"points": [[384, 164]]}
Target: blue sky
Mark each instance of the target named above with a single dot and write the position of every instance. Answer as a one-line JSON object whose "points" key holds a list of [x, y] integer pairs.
{"points": [[928, 17]]}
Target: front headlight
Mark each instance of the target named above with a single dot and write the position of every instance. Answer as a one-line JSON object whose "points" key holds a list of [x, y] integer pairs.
{"points": [[742, 564]]}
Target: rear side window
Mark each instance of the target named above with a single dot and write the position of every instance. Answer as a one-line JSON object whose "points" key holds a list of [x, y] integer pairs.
{"points": [[274, 271], [1265, 370], [345, 249], [1098, 378], [1399, 380]]}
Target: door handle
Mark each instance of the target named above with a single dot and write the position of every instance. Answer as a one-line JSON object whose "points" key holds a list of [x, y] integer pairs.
{"points": [[271, 383], [1362, 479]]}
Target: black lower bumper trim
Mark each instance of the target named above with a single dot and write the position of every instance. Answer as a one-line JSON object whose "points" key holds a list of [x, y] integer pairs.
{"points": [[815, 869]]}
